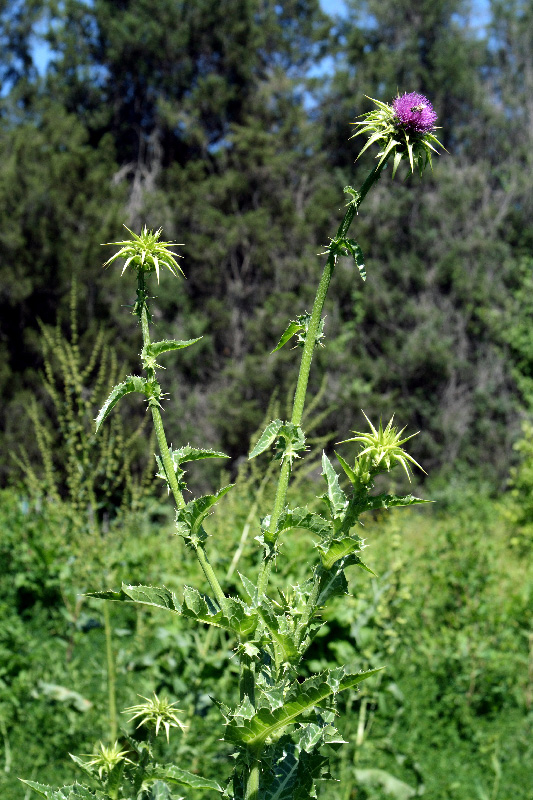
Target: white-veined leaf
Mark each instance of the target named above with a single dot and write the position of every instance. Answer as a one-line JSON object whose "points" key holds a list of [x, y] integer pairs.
{"points": [[174, 774], [267, 438], [336, 497], [292, 328], [155, 349], [195, 606], [310, 693], [190, 518], [133, 383]]}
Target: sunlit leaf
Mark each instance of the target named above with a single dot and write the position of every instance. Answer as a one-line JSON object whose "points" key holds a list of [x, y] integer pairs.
{"points": [[174, 774], [308, 694], [335, 495], [267, 438], [292, 328], [155, 349], [133, 383], [190, 518]]}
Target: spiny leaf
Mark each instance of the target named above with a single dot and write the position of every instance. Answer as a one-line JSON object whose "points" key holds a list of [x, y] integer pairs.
{"points": [[267, 438], [305, 519], [338, 549], [133, 383], [335, 496], [190, 518], [249, 587], [347, 468], [311, 767], [73, 792], [195, 606], [155, 349], [114, 779], [332, 584], [188, 453], [285, 772], [308, 694], [89, 769], [284, 646], [174, 774], [291, 441], [295, 768], [160, 791], [160, 597], [373, 502], [357, 254], [292, 328]]}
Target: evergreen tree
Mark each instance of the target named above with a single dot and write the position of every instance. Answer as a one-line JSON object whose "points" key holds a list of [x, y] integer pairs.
{"points": [[197, 111], [205, 105], [439, 262], [199, 117]]}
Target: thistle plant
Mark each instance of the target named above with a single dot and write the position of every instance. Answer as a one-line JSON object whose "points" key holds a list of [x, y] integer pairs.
{"points": [[279, 729]]}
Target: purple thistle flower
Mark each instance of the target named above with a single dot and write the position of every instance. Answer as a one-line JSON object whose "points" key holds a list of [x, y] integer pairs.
{"points": [[414, 112]]}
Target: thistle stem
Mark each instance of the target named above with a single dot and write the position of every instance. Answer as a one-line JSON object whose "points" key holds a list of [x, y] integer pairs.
{"points": [[251, 791], [309, 610], [247, 678], [211, 577], [166, 456], [303, 375], [110, 674]]}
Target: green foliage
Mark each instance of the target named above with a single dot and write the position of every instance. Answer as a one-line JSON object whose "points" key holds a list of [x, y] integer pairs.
{"points": [[97, 475], [445, 717], [271, 639], [209, 122], [301, 698], [208, 118], [520, 509]]}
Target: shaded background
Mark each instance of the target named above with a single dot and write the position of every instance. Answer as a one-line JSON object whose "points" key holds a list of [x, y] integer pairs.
{"points": [[228, 125]]}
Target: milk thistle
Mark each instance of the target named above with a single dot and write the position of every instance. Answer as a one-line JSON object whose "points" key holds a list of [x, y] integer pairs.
{"points": [[281, 721], [403, 129]]}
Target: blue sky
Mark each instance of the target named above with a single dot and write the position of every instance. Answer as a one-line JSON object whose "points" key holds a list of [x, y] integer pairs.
{"points": [[333, 6], [479, 16]]}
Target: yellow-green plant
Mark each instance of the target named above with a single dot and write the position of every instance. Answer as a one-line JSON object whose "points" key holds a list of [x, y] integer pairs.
{"points": [[95, 479], [96, 475], [281, 723]]}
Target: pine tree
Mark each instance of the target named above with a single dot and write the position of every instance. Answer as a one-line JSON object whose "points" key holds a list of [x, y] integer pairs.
{"points": [[438, 262]]}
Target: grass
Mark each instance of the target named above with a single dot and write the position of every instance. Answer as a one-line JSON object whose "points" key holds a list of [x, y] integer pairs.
{"points": [[449, 615]]}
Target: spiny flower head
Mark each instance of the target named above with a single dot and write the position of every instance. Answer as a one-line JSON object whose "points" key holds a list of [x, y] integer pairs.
{"points": [[382, 450], [146, 253], [414, 112], [108, 758], [156, 712], [402, 129]]}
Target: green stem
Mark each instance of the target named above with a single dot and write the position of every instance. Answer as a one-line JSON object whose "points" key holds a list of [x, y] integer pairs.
{"points": [[308, 611], [251, 791], [305, 369], [211, 577], [270, 535], [165, 452], [111, 680], [247, 678], [310, 341]]}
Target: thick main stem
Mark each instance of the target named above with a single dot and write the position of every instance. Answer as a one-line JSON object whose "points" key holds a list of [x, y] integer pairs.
{"points": [[303, 374], [247, 678], [251, 791], [110, 674]]}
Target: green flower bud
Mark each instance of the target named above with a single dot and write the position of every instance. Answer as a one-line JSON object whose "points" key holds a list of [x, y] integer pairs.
{"points": [[145, 253], [382, 450]]}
